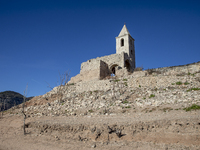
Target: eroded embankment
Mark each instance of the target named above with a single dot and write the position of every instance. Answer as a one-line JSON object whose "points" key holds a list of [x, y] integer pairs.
{"points": [[178, 133]]}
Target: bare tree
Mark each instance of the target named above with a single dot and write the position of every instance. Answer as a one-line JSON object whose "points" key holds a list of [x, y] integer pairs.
{"points": [[23, 112], [3, 108], [62, 88], [2, 100], [62, 85]]}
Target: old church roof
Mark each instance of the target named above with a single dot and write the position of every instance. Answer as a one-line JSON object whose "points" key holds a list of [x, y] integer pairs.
{"points": [[124, 31]]}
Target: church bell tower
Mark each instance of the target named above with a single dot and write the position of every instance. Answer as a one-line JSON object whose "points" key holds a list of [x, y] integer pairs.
{"points": [[125, 43]]}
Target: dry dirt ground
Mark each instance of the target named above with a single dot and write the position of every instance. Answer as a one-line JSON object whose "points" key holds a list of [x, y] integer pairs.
{"points": [[171, 129]]}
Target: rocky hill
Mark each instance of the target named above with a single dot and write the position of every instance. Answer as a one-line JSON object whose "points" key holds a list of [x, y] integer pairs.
{"points": [[119, 95], [9, 99]]}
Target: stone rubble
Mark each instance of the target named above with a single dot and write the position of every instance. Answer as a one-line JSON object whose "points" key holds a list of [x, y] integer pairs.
{"points": [[120, 95]]}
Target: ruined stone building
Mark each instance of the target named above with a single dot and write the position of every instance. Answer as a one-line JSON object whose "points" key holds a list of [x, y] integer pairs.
{"points": [[121, 62]]}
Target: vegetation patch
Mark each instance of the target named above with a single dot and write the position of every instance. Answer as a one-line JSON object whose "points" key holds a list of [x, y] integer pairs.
{"points": [[179, 83], [117, 80], [125, 102], [155, 89], [124, 79], [91, 111], [192, 74], [193, 89], [151, 71], [152, 95], [128, 107], [138, 69], [167, 109], [125, 83], [193, 107], [186, 83]]}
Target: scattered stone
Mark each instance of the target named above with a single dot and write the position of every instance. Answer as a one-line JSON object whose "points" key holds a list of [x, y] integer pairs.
{"points": [[93, 145]]}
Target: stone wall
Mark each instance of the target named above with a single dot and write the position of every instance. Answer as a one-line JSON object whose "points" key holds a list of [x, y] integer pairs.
{"points": [[88, 73], [110, 60], [99, 68], [189, 68], [104, 70]]}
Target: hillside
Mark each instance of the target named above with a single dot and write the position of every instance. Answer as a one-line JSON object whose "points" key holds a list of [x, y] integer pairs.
{"points": [[152, 109], [9, 99]]}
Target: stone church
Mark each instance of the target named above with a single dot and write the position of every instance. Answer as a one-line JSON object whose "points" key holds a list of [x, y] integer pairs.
{"points": [[118, 64]]}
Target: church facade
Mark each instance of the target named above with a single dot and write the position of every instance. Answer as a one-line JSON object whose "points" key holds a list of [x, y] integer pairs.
{"points": [[121, 62]]}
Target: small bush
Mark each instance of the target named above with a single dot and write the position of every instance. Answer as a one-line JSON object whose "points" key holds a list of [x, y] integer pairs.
{"points": [[173, 84], [125, 83], [150, 71], [155, 89], [179, 83], [117, 80], [139, 85], [152, 95], [193, 89], [186, 83], [191, 74], [90, 111], [128, 107], [125, 102], [193, 107], [124, 79], [138, 69]]}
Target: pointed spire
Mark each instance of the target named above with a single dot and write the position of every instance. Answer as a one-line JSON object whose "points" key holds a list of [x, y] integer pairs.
{"points": [[124, 31]]}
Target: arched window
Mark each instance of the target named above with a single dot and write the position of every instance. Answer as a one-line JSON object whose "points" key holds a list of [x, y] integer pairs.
{"points": [[113, 69], [122, 42]]}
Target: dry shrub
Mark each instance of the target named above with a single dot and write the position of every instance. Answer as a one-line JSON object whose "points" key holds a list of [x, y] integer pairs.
{"points": [[138, 69]]}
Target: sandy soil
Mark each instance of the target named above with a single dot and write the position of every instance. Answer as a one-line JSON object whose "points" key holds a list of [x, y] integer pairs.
{"points": [[175, 129]]}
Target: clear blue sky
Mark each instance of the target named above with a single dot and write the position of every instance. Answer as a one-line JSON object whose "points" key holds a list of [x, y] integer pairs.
{"points": [[40, 38]]}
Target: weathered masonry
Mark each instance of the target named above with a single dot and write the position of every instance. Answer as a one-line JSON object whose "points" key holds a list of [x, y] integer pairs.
{"points": [[120, 63]]}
